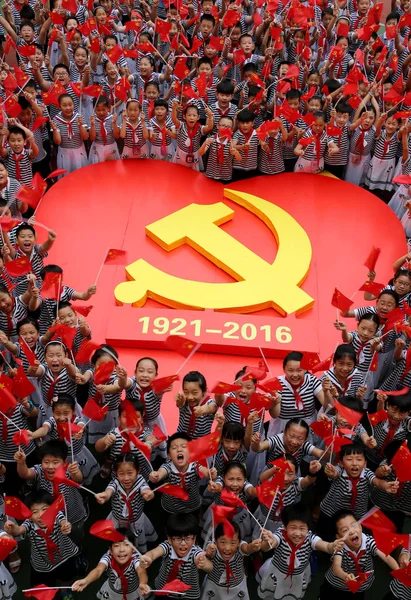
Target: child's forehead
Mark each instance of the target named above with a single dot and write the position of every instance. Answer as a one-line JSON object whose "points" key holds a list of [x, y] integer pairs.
{"points": [[35, 506], [178, 442], [297, 523], [357, 454], [48, 457]]}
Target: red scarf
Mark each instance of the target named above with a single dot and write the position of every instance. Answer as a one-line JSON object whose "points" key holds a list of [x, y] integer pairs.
{"points": [[386, 147], [70, 132], [359, 146], [127, 501], [388, 437], [220, 153], [17, 158], [103, 131], [119, 570], [228, 574], [50, 545], [356, 558], [191, 135], [298, 400], [294, 550], [354, 490], [174, 571], [50, 391], [247, 138], [223, 113], [317, 142], [163, 132], [347, 385], [192, 422]]}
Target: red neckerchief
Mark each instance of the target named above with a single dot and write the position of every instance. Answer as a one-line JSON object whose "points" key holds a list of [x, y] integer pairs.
{"points": [[111, 92], [317, 142], [247, 138], [50, 391], [228, 574], [360, 349], [163, 131], [220, 152], [386, 147], [389, 437], [356, 558], [347, 385], [174, 570], [354, 490], [191, 135], [359, 146], [70, 132], [298, 400], [128, 439], [183, 481], [127, 501], [223, 113], [50, 545], [192, 422], [103, 130], [119, 570], [294, 550], [134, 136], [17, 158]]}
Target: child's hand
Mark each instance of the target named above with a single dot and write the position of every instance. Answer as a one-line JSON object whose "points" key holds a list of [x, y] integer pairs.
{"points": [[267, 536], [78, 435], [80, 378], [8, 527], [3, 338], [331, 471], [404, 559], [200, 560], [213, 487], [73, 468], [65, 527], [198, 411], [391, 487], [315, 466], [210, 550], [147, 494], [253, 417], [102, 497], [180, 399], [340, 326], [67, 361], [349, 577], [145, 561], [92, 120], [154, 476], [371, 442], [371, 275], [80, 121], [338, 545], [102, 389], [256, 545], [91, 290], [52, 236], [375, 342], [20, 457], [213, 473], [256, 439], [383, 471], [382, 397], [109, 440], [144, 589], [323, 417], [326, 385], [79, 585], [219, 417], [400, 343], [360, 393]]}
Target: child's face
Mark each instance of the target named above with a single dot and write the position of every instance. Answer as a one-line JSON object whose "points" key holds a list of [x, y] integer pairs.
{"points": [[299, 37], [71, 24], [293, 372], [395, 415], [350, 527], [206, 27], [314, 79], [27, 33], [127, 475], [235, 34], [50, 464], [289, 475], [101, 111], [224, 99], [247, 45], [402, 285], [385, 304], [234, 480], [121, 552], [296, 531], [133, 111], [294, 437], [123, 422], [326, 19], [62, 76], [318, 126], [63, 413], [246, 127], [67, 316], [247, 388], [29, 334], [160, 112], [107, 5], [37, 510], [67, 107], [3, 176], [145, 67], [152, 92], [25, 117], [204, 68], [76, 41], [227, 547], [55, 356], [16, 142], [366, 330], [343, 366], [341, 422], [342, 119], [368, 120], [210, 52], [354, 464], [207, 6], [224, 123], [6, 303], [314, 105], [391, 125], [101, 15], [110, 43], [363, 6], [80, 57], [26, 240], [182, 544], [145, 373], [192, 116], [193, 393], [178, 453], [293, 103], [111, 71], [231, 447], [343, 43]]}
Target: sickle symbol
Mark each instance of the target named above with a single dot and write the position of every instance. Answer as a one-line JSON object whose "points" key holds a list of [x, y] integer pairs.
{"points": [[259, 284]]}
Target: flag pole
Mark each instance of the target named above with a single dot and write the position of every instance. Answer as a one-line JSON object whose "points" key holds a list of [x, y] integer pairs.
{"points": [[269, 511], [101, 266], [71, 442], [193, 351]]}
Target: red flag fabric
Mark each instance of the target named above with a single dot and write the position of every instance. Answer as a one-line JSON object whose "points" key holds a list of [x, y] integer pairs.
{"points": [[61, 478], [401, 461], [7, 545], [372, 258], [173, 586], [372, 288], [7, 400], [18, 267], [204, 447], [114, 54], [173, 490], [8, 223], [27, 51], [400, 392], [222, 513], [69, 429], [52, 285], [159, 435], [353, 417], [106, 531], [93, 90], [225, 388], [70, 5], [22, 386], [21, 77], [259, 402], [216, 42], [309, 360], [355, 584], [21, 438], [103, 372], [340, 301], [181, 345], [130, 414], [93, 411], [116, 257], [231, 499], [49, 516], [324, 365], [86, 349], [162, 383], [83, 310], [14, 508], [322, 428], [28, 352], [403, 575], [65, 333], [377, 521], [181, 70], [387, 541], [377, 417], [337, 442], [9, 83], [130, 53], [41, 592], [266, 491], [6, 382]]}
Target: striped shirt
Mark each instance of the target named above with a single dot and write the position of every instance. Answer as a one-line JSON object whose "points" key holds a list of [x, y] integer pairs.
{"points": [[9, 321], [232, 413], [8, 193], [290, 145], [310, 151], [352, 383], [300, 402], [188, 481], [127, 507], [362, 145], [48, 308], [36, 260], [228, 574], [112, 400], [56, 434], [282, 553], [221, 458], [277, 449], [130, 573], [383, 433], [363, 351], [187, 570], [220, 160], [150, 400], [118, 448], [104, 131], [271, 162], [343, 142], [400, 502], [154, 126], [62, 384], [134, 136], [398, 378], [7, 430], [54, 111], [340, 494], [248, 155], [386, 149], [69, 131], [187, 144], [219, 112], [39, 557], [196, 427], [285, 497], [400, 590], [19, 165], [349, 561], [388, 342]]}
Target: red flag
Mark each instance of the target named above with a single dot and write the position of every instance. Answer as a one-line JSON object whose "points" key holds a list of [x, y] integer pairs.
{"points": [[10, 43], [22, 386], [372, 258], [387, 541], [70, 6], [266, 491], [222, 513], [120, 92], [231, 17], [403, 575], [231, 499], [377, 521], [9, 83], [12, 107], [130, 414], [82, 310], [6, 382], [69, 429], [141, 446], [204, 447], [394, 318], [21, 438], [93, 90], [7, 400], [343, 29], [372, 288], [41, 592], [173, 586], [258, 373], [61, 478], [353, 417], [106, 531], [324, 365], [322, 428], [14, 508], [405, 179], [7, 545], [132, 26], [130, 53], [309, 360], [377, 417], [216, 42], [56, 18], [340, 301], [87, 348], [337, 442], [173, 490], [159, 435], [162, 383], [18, 267], [181, 345], [103, 372], [39, 122], [29, 196], [8, 223], [225, 388], [114, 54], [52, 285], [65, 333], [239, 57], [49, 516], [259, 402], [400, 392], [355, 584], [27, 51], [401, 461], [196, 44], [116, 257], [20, 76], [93, 411]]}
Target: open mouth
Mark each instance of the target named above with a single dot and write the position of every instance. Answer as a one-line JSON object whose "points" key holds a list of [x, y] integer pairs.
{"points": [[355, 539], [180, 458]]}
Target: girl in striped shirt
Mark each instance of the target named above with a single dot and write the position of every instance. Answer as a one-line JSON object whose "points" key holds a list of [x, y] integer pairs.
{"points": [[103, 133], [133, 131], [69, 135], [382, 165], [189, 132], [196, 408], [312, 147]]}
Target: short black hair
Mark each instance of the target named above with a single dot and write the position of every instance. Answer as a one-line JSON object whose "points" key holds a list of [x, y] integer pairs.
{"points": [[181, 524], [233, 431], [55, 448], [50, 269], [39, 497], [391, 293], [179, 435], [297, 356], [245, 116], [402, 402], [225, 87], [196, 377], [27, 321], [65, 400], [296, 512], [345, 350], [341, 514], [102, 352], [356, 448], [207, 17], [24, 227], [234, 464], [219, 530]]}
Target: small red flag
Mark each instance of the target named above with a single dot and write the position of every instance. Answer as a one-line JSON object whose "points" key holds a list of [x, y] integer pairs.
{"points": [[39, 122], [377, 521], [7, 400], [337, 442], [52, 285], [82, 310], [65, 333], [353, 417], [27, 51], [106, 531], [116, 257], [377, 417], [222, 513], [29, 196], [259, 402], [181, 345], [372, 288], [173, 490], [93, 411], [401, 461], [309, 360], [114, 54], [322, 428], [372, 258], [403, 575], [103, 372], [41, 592], [355, 584], [231, 499], [162, 383], [22, 386], [20, 76], [69, 429], [8, 223], [130, 414], [18, 267], [387, 541], [7, 545], [204, 447], [172, 587], [86, 349], [61, 478], [324, 365], [225, 388], [159, 435], [340, 301], [267, 490], [14, 508], [21, 438], [49, 516], [93, 90]]}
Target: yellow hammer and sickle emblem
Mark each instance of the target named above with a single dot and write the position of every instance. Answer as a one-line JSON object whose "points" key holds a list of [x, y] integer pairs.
{"points": [[258, 284]]}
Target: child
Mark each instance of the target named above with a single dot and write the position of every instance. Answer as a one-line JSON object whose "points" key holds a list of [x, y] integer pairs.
{"points": [[178, 470], [288, 572], [52, 554], [161, 132], [13, 310], [382, 165], [361, 147], [126, 578], [69, 135], [57, 428], [336, 162], [342, 379], [227, 578], [270, 160], [127, 491], [103, 133], [234, 445], [350, 485], [221, 152], [17, 159], [53, 458], [196, 408], [246, 142], [134, 131], [8, 189], [223, 107], [181, 557], [8, 586], [353, 559], [312, 151], [363, 339], [189, 132]]}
